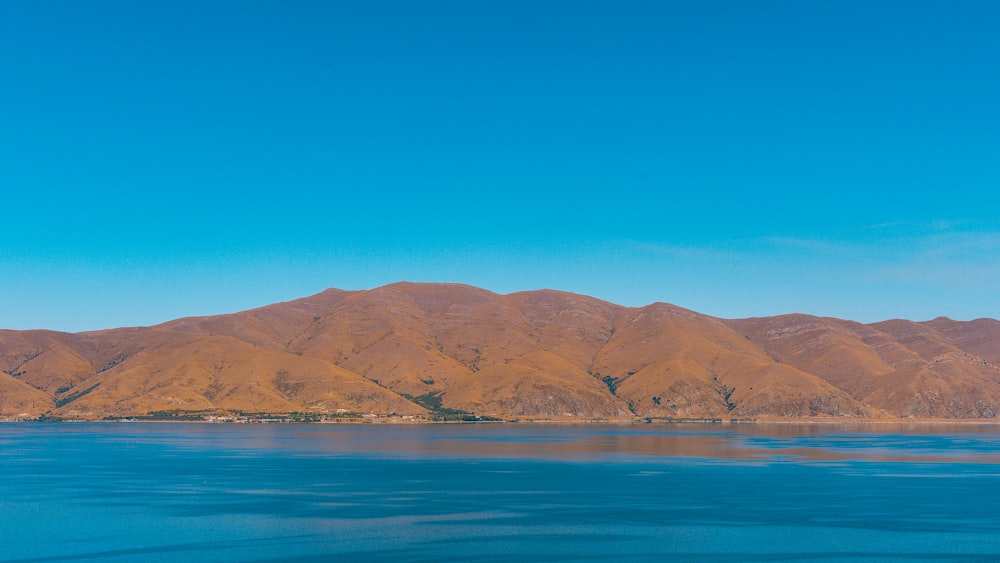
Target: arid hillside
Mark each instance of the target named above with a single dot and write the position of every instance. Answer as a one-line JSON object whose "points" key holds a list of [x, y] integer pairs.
{"points": [[449, 350]]}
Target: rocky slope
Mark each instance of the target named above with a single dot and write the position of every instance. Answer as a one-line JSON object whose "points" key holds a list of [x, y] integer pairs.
{"points": [[433, 349]]}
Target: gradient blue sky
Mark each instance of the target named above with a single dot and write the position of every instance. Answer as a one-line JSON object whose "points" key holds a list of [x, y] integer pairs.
{"points": [[740, 158]]}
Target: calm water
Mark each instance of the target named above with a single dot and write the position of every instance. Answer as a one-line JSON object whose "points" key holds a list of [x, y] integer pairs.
{"points": [[193, 492]]}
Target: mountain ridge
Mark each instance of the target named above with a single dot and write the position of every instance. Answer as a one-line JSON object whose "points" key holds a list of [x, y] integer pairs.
{"points": [[428, 350]]}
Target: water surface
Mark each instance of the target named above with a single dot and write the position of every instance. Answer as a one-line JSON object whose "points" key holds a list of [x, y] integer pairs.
{"points": [[782, 492]]}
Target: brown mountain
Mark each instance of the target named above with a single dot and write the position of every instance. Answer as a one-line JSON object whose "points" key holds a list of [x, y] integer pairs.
{"points": [[434, 350]]}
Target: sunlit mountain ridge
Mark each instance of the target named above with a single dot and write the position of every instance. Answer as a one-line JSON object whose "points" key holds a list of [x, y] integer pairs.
{"points": [[449, 350]]}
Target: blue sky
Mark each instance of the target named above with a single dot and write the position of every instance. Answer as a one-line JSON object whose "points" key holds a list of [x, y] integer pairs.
{"points": [[164, 159]]}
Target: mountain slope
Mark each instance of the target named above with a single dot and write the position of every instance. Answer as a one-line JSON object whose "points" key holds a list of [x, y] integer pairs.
{"points": [[898, 367], [426, 349]]}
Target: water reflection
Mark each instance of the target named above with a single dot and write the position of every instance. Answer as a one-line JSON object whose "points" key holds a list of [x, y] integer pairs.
{"points": [[979, 443], [118, 492]]}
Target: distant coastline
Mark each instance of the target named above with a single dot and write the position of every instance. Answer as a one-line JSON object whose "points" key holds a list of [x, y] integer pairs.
{"points": [[452, 352], [619, 421]]}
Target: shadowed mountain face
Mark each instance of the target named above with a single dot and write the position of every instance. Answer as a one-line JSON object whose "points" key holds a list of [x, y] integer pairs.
{"points": [[419, 349]]}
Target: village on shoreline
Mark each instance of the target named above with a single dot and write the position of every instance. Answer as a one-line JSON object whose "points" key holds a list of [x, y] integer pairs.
{"points": [[197, 417]]}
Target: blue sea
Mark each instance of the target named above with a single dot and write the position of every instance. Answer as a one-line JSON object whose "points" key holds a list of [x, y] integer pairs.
{"points": [[499, 492]]}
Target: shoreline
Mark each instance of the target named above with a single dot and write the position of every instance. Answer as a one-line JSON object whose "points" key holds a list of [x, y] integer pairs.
{"points": [[567, 421]]}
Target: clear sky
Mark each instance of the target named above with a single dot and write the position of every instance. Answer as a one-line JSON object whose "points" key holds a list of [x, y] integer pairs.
{"points": [[740, 158]]}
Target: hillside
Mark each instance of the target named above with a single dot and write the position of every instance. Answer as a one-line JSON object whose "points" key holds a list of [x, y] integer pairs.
{"points": [[438, 350]]}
